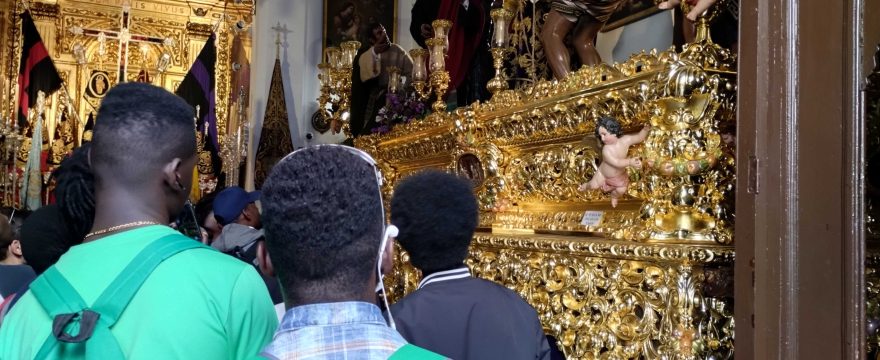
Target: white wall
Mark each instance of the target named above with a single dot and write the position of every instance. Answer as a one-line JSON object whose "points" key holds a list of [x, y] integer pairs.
{"points": [[300, 55], [404, 18], [653, 32]]}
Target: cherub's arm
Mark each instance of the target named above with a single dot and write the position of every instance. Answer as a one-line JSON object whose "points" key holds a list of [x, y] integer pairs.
{"points": [[638, 137]]}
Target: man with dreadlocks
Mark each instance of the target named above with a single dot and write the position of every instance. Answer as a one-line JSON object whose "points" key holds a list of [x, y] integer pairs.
{"points": [[51, 230]]}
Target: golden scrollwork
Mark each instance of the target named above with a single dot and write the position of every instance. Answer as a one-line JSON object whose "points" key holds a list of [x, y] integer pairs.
{"points": [[610, 299], [686, 174]]}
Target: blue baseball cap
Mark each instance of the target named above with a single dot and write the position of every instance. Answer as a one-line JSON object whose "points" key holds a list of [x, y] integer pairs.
{"points": [[230, 202]]}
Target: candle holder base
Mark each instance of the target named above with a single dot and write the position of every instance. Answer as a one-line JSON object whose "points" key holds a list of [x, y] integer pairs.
{"points": [[499, 82], [440, 83]]}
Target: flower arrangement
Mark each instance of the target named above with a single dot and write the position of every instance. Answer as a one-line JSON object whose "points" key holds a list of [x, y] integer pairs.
{"points": [[399, 109]]}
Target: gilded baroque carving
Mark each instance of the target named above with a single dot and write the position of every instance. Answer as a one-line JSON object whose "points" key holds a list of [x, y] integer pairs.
{"points": [[607, 299]]}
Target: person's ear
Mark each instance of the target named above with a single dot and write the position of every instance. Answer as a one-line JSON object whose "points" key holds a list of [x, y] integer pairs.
{"points": [[265, 261], [388, 256], [173, 176], [15, 247]]}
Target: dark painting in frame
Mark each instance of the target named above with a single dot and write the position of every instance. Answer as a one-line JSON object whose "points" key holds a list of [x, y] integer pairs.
{"points": [[629, 12], [346, 20]]}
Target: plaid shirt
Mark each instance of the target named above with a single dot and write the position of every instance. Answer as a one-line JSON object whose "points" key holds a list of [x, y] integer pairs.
{"points": [[350, 330]]}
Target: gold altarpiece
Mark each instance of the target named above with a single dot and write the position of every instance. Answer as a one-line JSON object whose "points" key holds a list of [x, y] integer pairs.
{"points": [[649, 279], [172, 33]]}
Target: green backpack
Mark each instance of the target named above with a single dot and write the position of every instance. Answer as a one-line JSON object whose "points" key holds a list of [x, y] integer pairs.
{"points": [[410, 351], [92, 324]]}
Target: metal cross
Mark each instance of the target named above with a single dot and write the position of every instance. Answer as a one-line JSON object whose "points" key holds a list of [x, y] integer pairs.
{"points": [[124, 36]]}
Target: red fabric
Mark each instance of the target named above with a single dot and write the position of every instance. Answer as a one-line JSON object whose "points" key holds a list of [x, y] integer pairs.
{"points": [[36, 54], [461, 49]]}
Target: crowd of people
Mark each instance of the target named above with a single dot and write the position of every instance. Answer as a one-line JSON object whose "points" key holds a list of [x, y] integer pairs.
{"points": [[104, 274]]}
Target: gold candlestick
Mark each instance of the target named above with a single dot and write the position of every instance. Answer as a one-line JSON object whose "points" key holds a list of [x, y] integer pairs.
{"points": [[419, 73], [499, 82], [440, 83], [500, 18]]}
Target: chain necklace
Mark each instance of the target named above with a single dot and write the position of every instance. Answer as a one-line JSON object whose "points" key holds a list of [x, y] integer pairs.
{"points": [[119, 227]]}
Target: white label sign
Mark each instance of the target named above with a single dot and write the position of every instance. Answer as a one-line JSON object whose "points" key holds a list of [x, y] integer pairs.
{"points": [[592, 218]]}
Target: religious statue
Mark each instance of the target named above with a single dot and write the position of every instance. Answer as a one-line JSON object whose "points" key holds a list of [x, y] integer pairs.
{"points": [[586, 17], [611, 176], [374, 75]]}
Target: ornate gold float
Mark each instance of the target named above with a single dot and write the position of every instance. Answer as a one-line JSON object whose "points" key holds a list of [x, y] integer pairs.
{"points": [[650, 278]]}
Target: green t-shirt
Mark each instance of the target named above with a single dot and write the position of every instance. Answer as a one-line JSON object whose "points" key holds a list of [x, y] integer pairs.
{"points": [[198, 304]]}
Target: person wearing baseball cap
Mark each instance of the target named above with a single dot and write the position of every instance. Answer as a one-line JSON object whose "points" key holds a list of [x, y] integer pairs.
{"points": [[236, 211]]}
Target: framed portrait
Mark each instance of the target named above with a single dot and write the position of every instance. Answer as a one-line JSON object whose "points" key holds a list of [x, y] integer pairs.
{"points": [[470, 167], [349, 19], [629, 12]]}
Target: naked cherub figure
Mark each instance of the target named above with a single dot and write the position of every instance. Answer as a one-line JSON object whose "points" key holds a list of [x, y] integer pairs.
{"points": [[611, 176]]}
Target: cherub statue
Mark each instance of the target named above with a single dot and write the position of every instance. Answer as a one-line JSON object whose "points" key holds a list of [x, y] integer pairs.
{"points": [[699, 6], [611, 176]]}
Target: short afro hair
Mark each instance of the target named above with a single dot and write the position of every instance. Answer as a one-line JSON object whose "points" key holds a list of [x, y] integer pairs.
{"points": [[322, 214], [437, 214], [140, 128], [610, 124]]}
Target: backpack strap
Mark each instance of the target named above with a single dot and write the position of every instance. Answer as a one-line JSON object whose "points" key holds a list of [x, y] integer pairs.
{"points": [[410, 351], [65, 305]]}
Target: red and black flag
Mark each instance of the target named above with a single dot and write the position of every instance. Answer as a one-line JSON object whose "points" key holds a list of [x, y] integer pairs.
{"points": [[198, 89], [37, 72]]}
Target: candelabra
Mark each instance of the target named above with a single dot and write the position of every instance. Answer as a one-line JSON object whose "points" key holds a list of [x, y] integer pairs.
{"points": [[335, 77], [500, 17], [438, 81], [235, 145]]}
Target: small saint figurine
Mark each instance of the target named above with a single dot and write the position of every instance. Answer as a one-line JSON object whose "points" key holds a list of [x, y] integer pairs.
{"points": [[611, 176]]}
